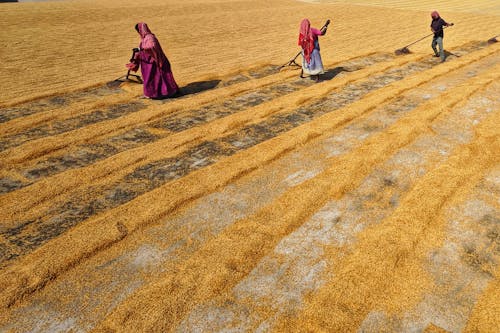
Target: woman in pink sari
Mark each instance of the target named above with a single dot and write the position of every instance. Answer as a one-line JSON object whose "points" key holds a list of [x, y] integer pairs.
{"points": [[155, 68], [308, 40]]}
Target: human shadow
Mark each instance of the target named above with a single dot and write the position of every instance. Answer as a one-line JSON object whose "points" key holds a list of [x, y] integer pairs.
{"points": [[332, 73], [448, 53], [328, 75], [197, 87]]}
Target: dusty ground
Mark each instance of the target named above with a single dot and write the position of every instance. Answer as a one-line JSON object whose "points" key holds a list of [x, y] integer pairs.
{"points": [[258, 201]]}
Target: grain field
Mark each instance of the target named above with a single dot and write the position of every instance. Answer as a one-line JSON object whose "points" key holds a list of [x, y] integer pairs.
{"points": [[367, 201]]}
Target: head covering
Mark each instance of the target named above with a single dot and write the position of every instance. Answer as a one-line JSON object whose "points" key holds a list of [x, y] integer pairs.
{"points": [[150, 43], [145, 33], [434, 14], [306, 39]]}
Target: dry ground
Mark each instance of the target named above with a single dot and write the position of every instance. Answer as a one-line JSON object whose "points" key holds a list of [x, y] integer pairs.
{"points": [[258, 201]]}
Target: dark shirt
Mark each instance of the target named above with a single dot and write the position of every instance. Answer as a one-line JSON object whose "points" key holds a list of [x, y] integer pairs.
{"points": [[437, 26]]}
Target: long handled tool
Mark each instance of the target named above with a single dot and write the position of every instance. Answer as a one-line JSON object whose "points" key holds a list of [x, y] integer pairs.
{"points": [[293, 62], [405, 50], [127, 77], [493, 40]]}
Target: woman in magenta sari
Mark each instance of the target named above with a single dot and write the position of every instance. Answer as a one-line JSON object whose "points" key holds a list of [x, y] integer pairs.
{"points": [[155, 68], [308, 41]]}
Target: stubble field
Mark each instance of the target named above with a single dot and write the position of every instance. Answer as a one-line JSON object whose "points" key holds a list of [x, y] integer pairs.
{"points": [[257, 201]]}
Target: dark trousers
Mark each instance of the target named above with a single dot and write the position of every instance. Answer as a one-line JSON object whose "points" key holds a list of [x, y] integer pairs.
{"points": [[438, 41]]}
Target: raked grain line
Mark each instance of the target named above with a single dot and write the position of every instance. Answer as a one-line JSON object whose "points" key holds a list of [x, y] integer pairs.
{"points": [[160, 150], [84, 99], [143, 135], [71, 136], [85, 154], [66, 112], [47, 296], [251, 238], [32, 234], [15, 128], [17, 124], [95, 234], [62, 127], [89, 104], [296, 267], [386, 255], [76, 162], [28, 235], [484, 317], [39, 147], [125, 162], [48, 205]]}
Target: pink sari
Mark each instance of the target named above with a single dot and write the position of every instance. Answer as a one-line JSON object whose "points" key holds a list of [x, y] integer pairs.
{"points": [[155, 68]]}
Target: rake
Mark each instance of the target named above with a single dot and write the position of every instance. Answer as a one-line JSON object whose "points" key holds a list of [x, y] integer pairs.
{"points": [[127, 77], [493, 40], [405, 50]]}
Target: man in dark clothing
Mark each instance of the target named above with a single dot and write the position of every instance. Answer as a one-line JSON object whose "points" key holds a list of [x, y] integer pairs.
{"points": [[437, 25]]}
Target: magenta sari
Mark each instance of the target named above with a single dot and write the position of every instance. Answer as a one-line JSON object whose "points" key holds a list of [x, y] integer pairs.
{"points": [[155, 68]]}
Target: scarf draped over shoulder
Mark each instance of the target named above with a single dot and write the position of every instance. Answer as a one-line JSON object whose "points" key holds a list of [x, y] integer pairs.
{"points": [[306, 39], [150, 44]]}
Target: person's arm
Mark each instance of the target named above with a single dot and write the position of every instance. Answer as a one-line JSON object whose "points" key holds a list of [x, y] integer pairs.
{"points": [[446, 24], [134, 63], [318, 32]]}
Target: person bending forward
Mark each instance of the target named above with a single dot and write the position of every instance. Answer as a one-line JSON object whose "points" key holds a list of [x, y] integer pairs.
{"points": [[155, 68]]}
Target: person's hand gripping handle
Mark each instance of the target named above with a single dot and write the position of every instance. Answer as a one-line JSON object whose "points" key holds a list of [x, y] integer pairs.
{"points": [[325, 27]]}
